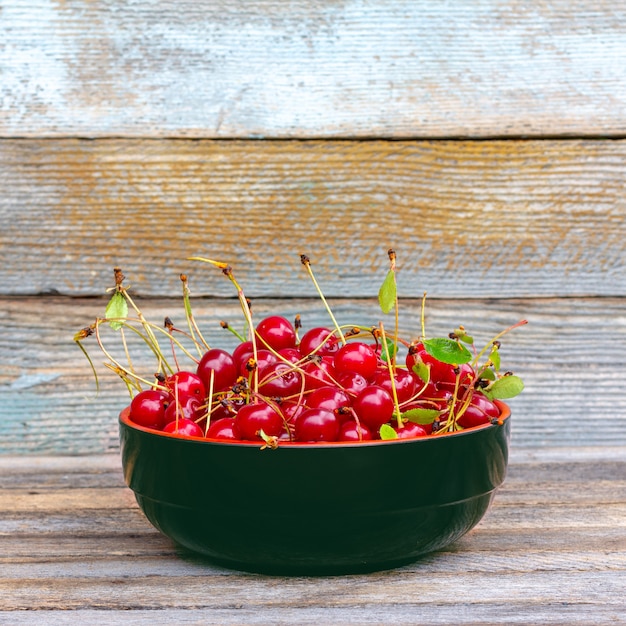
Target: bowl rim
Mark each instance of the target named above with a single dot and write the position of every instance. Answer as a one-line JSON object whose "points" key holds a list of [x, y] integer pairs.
{"points": [[505, 414]]}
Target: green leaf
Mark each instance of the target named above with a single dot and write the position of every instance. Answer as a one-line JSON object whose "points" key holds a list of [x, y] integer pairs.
{"points": [[447, 351], [494, 357], [505, 387], [421, 416], [387, 432], [488, 374], [422, 370], [117, 308], [387, 293], [390, 349]]}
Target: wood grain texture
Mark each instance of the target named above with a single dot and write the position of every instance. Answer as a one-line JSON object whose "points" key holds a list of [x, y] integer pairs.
{"points": [[570, 355], [552, 549], [353, 68], [501, 218]]}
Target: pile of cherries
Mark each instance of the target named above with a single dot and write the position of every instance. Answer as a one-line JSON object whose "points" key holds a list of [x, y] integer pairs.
{"points": [[321, 388]]}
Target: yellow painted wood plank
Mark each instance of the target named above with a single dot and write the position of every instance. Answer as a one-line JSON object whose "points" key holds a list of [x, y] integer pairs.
{"points": [[412, 68], [494, 218]]}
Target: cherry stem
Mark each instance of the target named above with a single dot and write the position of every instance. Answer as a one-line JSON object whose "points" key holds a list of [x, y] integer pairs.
{"points": [[228, 272], [392, 260], [500, 334], [307, 264], [191, 322], [423, 316], [210, 396], [391, 377]]}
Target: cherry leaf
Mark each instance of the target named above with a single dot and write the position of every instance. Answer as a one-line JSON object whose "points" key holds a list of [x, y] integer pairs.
{"points": [[117, 309], [494, 357], [447, 351], [421, 416], [389, 350], [387, 432], [422, 370], [505, 387], [387, 293]]}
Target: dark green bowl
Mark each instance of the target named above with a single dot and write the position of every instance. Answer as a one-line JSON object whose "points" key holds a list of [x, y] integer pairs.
{"points": [[315, 509]]}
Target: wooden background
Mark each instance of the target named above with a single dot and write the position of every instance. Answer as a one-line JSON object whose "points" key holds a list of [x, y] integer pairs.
{"points": [[484, 140]]}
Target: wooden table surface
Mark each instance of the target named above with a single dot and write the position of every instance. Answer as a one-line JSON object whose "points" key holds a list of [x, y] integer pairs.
{"points": [[551, 550], [483, 139]]}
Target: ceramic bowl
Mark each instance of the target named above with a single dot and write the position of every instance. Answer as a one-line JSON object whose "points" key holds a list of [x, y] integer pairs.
{"points": [[315, 509]]}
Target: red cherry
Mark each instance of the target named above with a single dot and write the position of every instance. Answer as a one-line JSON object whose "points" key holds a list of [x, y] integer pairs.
{"points": [[280, 380], [480, 411], [319, 372], [351, 431], [357, 357], [184, 385], [374, 407], [147, 408], [185, 427], [223, 429], [410, 430], [192, 409], [352, 383], [242, 353], [405, 383], [290, 410], [329, 398], [227, 407], [441, 374], [263, 358], [252, 418], [221, 363], [276, 332], [319, 340], [316, 425], [290, 354]]}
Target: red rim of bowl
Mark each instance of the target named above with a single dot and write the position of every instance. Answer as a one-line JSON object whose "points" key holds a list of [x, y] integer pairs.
{"points": [[505, 413]]}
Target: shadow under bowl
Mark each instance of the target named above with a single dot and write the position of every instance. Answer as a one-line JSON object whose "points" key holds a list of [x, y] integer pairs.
{"points": [[315, 509]]}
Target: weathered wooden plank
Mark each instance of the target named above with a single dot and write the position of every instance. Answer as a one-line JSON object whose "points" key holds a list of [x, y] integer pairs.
{"points": [[570, 356], [312, 69], [502, 218], [522, 564]]}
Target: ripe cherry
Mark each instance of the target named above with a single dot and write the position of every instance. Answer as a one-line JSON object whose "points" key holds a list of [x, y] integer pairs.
{"points": [[480, 411], [357, 357], [319, 372], [242, 353], [410, 430], [264, 357], [405, 383], [374, 407], [185, 427], [148, 407], [319, 340], [280, 380], [352, 383], [223, 428], [252, 418], [290, 354], [184, 385], [276, 332], [221, 363], [351, 431], [329, 398], [192, 408], [316, 425]]}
